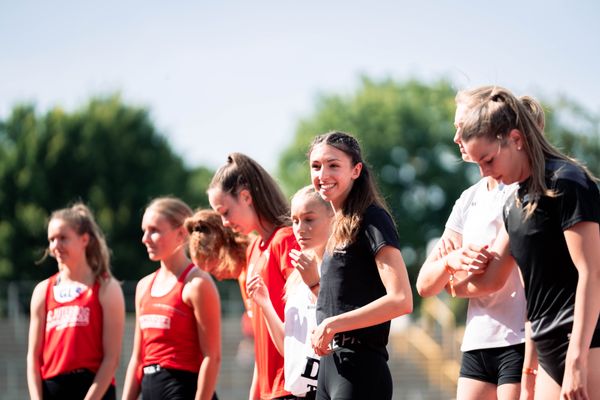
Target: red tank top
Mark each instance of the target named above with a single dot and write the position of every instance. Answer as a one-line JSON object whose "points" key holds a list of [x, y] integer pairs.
{"points": [[272, 261], [168, 327], [73, 337]]}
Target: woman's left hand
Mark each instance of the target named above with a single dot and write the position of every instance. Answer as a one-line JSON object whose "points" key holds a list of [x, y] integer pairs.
{"points": [[322, 337]]}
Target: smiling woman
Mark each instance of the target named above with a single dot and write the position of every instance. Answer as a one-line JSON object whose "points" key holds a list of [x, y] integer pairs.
{"points": [[364, 282]]}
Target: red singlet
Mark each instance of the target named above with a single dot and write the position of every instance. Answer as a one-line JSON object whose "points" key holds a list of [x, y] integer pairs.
{"points": [[168, 328], [73, 337], [271, 260]]}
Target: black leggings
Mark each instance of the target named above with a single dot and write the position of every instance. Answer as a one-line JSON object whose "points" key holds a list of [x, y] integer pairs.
{"points": [[73, 386], [354, 374], [170, 384]]}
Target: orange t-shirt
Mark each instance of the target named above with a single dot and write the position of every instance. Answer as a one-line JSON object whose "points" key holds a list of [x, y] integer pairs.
{"points": [[168, 328], [271, 260], [73, 335]]}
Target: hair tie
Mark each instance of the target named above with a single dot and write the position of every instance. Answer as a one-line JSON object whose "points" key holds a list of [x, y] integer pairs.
{"points": [[200, 229]]}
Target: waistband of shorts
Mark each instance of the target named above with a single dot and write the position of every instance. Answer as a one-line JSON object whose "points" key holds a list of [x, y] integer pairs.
{"points": [[152, 369]]}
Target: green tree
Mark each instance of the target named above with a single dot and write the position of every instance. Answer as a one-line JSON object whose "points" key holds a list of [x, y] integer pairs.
{"points": [[575, 130], [405, 130], [108, 155]]}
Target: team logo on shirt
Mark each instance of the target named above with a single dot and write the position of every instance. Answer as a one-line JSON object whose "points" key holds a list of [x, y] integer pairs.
{"points": [[67, 317], [155, 321]]}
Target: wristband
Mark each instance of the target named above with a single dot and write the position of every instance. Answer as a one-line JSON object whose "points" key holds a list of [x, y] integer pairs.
{"points": [[529, 371]]}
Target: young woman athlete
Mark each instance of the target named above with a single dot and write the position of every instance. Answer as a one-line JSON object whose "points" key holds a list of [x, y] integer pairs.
{"points": [[311, 222], [177, 344], [364, 283], [552, 232], [249, 200], [77, 315]]}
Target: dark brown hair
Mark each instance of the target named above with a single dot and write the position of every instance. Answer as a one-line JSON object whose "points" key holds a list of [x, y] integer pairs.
{"points": [[364, 190]]}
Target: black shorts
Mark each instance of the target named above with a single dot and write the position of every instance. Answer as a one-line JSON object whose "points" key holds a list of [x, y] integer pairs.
{"points": [[309, 396], [73, 386], [169, 384], [354, 374], [552, 351], [498, 365]]}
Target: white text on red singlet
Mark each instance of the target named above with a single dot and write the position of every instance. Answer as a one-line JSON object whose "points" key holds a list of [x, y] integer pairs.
{"points": [[67, 316], [155, 321]]}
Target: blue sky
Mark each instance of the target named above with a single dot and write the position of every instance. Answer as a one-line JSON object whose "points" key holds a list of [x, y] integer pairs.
{"points": [[238, 75]]}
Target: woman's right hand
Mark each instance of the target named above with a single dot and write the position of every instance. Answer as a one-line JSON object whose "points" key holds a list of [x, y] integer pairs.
{"points": [[257, 290], [305, 263], [472, 258]]}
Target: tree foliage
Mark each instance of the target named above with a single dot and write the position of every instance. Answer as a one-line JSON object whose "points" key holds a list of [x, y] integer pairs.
{"points": [[109, 155], [405, 130], [106, 154]]}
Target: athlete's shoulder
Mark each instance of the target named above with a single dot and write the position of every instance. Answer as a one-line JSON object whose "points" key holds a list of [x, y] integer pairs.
{"points": [[375, 213], [145, 282], [567, 172], [39, 291], [198, 276], [283, 234]]}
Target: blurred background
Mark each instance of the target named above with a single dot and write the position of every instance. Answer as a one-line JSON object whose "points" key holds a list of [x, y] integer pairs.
{"points": [[115, 103]]}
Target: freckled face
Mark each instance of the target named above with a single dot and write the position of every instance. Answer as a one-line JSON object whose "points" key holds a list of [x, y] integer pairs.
{"points": [[332, 173], [236, 213]]}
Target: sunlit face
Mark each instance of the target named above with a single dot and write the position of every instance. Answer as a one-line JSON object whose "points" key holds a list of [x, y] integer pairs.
{"points": [[505, 163], [332, 173], [161, 239], [236, 213], [311, 222], [461, 111], [65, 244]]}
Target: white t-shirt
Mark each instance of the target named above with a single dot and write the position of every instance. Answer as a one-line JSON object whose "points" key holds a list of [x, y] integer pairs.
{"points": [[498, 319], [300, 363]]}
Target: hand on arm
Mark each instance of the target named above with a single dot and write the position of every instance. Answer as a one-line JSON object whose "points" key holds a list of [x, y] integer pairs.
{"points": [[113, 317], [434, 275], [35, 345], [397, 301], [500, 265], [583, 242]]}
